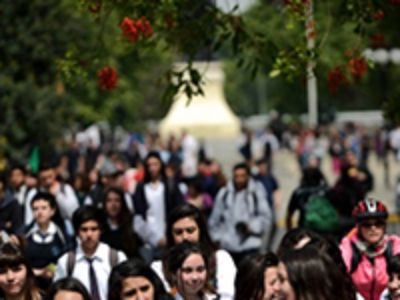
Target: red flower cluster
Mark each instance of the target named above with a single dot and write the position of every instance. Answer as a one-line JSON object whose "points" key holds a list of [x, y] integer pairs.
{"points": [[336, 78], [379, 15], [133, 29], [377, 40], [358, 67], [107, 78]]}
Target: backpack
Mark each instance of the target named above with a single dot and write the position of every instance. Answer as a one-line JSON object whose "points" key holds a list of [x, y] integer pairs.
{"points": [[320, 215], [71, 259], [356, 255]]}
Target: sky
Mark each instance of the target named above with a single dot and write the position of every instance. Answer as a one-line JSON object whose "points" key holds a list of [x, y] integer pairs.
{"points": [[226, 5]]}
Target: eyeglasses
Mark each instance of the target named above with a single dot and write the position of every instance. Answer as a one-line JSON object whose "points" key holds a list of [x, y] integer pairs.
{"points": [[372, 223]]}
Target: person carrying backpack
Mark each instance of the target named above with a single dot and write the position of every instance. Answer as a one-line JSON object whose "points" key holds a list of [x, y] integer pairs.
{"points": [[91, 262], [367, 248]]}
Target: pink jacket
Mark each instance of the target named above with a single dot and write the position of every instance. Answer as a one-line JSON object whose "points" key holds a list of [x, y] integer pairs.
{"points": [[369, 278]]}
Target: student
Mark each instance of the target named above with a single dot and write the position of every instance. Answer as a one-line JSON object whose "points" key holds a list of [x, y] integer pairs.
{"points": [[257, 278], [117, 231], [187, 223], [187, 269], [307, 273], [91, 262], [154, 198], [17, 281], [45, 240], [64, 193], [134, 280], [68, 289]]}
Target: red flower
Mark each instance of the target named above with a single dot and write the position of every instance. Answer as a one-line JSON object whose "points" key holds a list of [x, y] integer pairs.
{"points": [[107, 78], [143, 25], [129, 29], [379, 15], [377, 40], [336, 78], [358, 67], [132, 29]]}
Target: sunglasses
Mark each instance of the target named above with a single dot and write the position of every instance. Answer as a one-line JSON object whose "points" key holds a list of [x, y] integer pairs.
{"points": [[371, 224]]}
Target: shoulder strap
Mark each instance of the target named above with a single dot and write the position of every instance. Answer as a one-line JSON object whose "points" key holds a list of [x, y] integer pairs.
{"points": [[255, 200], [355, 258], [113, 257], [388, 251], [224, 197], [71, 257]]}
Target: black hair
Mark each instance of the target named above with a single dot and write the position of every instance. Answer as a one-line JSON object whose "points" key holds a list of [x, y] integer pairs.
{"points": [[393, 266], [187, 210], [242, 166], [47, 165], [12, 256], [86, 213], [175, 258], [314, 275], [293, 236], [249, 281], [68, 284], [45, 196], [19, 167], [134, 268], [156, 155]]}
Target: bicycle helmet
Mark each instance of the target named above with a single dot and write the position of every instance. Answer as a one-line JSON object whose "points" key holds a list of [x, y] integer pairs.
{"points": [[370, 208]]}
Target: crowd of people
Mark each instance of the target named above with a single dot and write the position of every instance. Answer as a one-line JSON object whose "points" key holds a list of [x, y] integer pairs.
{"points": [[163, 222]]}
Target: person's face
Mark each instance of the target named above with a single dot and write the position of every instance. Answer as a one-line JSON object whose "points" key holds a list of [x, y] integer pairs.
{"points": [[113, 205], [89, 235], [137, 288], [154, 167], [17, 178], [13, 280], [185, 229], [372, 230], [240, 177], [262, 168], [47, 178], [67, 295], [394, 286], [272, 284], [286, 288], [42, 211], [192, 275]]}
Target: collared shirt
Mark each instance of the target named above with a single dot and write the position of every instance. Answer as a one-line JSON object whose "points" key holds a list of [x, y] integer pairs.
{"points": [[101, 265], [41, 237]]}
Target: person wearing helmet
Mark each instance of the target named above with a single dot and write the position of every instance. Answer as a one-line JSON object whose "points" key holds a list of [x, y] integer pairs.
{"points": [[367, 248]]}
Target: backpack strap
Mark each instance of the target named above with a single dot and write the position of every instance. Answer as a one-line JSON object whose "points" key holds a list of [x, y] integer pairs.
{"points": [[71, 258], [388, 251], [355, 258], [113, 257], [255, 201]]}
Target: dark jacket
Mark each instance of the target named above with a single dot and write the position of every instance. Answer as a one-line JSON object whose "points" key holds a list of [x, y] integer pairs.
{"points": [[11, 215]]}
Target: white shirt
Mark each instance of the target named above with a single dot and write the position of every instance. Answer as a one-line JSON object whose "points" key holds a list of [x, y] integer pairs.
{"points": [[225, 275], [101, 265], [50, 234], [152, 230]]}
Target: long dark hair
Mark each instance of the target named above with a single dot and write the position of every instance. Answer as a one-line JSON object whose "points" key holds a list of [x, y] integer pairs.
{"points": [[175, 258], [68, 284], [249, 281], [134, 268], [147, 176], [187, 210], [313, 275], [124, 219], [11, 256]]}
